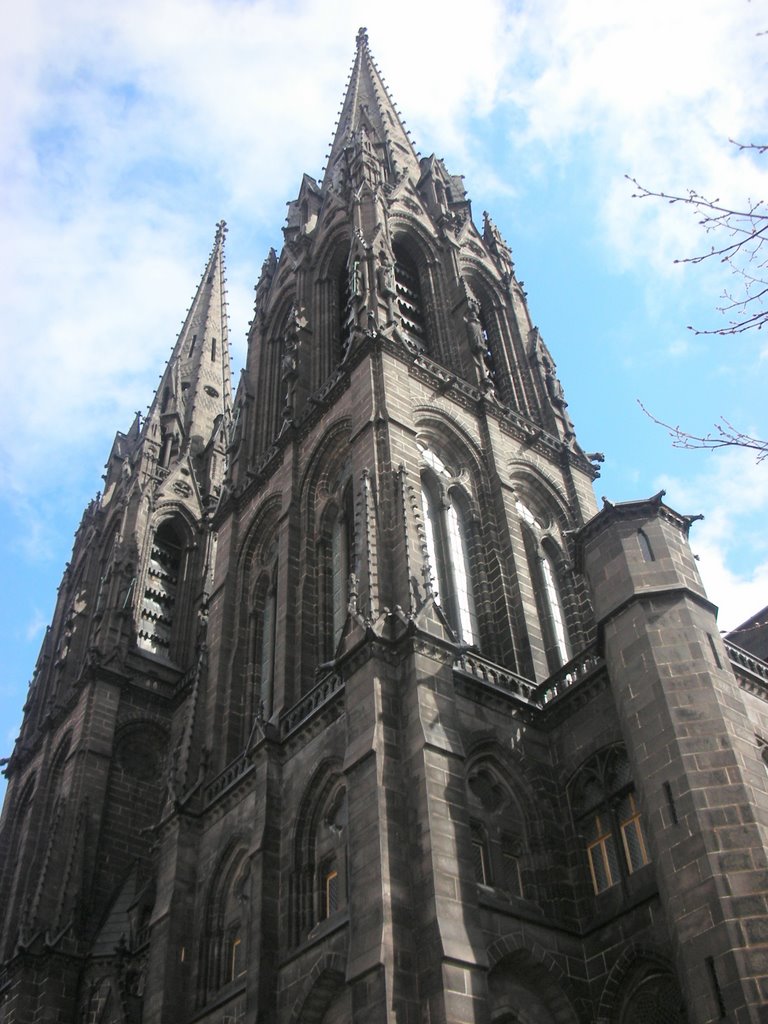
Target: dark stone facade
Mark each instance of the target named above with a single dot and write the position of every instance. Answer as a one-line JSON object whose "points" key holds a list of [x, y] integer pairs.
{"points": [[354, 707]]}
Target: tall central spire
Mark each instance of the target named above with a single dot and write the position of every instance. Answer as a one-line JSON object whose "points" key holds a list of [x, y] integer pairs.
{"points": [[370, 120]]}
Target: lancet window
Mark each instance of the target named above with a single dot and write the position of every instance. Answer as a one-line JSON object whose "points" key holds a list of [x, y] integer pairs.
{"points": [[607, 816], [338, 564], [264, 626], [542, 556], [497, 832], [446, 529], [409, 298], [320, 879], [224, 948], [159, 598]]}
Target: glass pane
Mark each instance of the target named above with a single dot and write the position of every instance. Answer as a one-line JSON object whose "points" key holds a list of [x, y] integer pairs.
{"points": [[331, 893], [428, 506], [461, 583], [512, 881], [555, 608]]}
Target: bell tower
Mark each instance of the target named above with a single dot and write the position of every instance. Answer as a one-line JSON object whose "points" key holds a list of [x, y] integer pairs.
{"points": [[88, 777]]}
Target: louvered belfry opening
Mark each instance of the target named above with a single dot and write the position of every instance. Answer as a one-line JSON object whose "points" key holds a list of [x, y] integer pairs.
{"points": [[160, 590], [409, 298]]}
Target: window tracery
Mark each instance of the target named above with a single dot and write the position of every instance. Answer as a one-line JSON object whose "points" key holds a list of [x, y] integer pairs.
{"points": [[497, 832], [607, 816], [447, 535], [319, 882], [224, 946], [541, 552], [263, 629]]}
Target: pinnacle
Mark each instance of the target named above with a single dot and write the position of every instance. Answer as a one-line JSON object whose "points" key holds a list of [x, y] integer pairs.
{"points": [[195, 385], [368, 110]]}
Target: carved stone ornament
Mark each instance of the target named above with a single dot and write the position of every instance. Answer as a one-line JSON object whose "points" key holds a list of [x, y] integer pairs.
{"points": [[182, 488]]}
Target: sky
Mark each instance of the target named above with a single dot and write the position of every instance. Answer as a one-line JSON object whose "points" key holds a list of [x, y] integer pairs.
{"points": [[130, 129]]}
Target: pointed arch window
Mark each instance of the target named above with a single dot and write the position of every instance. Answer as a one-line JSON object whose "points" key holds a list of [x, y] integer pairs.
{"points": [[158, 603], [265, 625], [445, 526], [319, 882], [337, 565], [541, 555], [342, 560], [607, 816], [645, 546], [224, 949], [409, 297], [344, 313], [497, 832]]}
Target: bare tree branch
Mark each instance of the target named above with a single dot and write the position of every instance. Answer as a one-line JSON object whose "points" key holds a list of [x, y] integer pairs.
{"points": [[725, 436], [740, 241]]}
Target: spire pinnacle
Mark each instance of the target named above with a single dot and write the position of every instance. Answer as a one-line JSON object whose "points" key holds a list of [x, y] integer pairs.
{"points": [[370, 123], [195, 388]]}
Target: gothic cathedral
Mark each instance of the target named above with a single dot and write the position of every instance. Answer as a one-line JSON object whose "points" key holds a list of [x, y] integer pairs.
{"points": [[354, 706]]}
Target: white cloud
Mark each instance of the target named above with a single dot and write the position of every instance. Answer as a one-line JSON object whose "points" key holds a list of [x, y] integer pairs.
{"points": [[129, 130], [731, 491]]}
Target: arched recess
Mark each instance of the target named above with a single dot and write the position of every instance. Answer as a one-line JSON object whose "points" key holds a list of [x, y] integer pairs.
{"points": [[445, 507], [255, 662], [337, 561], [498, 831], [13, 848], [526, 989], [273, 388], [642, 988], [262, 640], [224, 956], [327, 510], [318, 885], [326, 999], [163, 598], [457, 502], [332, 298], [419, 288], [133, 800], [504, 362], [552, 621]]}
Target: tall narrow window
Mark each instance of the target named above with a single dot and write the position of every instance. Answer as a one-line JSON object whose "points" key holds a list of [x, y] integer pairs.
{"points": [[409, 298], [446, 536], [345, 314], [545, 582], [645, 546], [606, 814], [267, 650], [319, 880], [479, 854], [160, 591], [497, 832], [342, 561]]}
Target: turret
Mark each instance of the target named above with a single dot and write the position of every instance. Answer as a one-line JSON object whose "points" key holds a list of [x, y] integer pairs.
{"points": [[691, 745]]}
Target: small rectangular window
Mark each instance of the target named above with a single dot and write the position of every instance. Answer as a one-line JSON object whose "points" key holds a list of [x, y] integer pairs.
{"points": [[330, 892], [237, 960], [480, 856], [512, 882]]}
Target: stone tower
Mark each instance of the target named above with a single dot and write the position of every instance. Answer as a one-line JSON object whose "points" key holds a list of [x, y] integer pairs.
{"points": [[354, 707]]}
